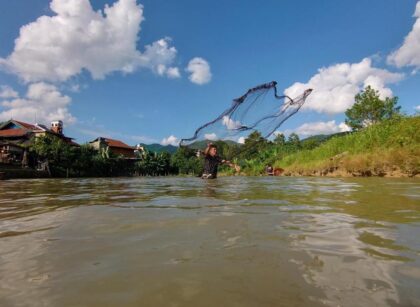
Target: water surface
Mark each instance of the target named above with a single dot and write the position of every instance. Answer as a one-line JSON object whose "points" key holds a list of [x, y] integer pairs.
{"points": [[237, 241]]}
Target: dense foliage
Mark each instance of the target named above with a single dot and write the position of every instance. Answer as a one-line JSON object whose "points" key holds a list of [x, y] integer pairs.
{"points": [[62, 159], [392, 144], [370, 109], [382, 138]]}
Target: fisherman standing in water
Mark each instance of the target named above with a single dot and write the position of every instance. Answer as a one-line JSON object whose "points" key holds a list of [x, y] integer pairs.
{"points": [[212, 161]]}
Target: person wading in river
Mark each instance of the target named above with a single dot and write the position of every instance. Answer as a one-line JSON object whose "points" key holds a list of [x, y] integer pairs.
{"points": [[212, 161]]}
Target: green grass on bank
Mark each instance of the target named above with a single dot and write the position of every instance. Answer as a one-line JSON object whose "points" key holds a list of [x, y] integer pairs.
{"points": [[389, 146]]}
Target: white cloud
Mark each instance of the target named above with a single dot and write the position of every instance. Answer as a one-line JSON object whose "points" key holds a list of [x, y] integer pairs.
{"points": [[409, 53], [158, 56], [210, 136], [43, 103], [315, 128], [170, 140], [241, 140], [56, 48], [173, 72], [335, 86], [230, 123], [200, 71], [417, 108], [7, 92]]}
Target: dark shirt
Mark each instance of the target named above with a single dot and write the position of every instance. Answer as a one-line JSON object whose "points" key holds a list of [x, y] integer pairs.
{"points": [[210, 165]]}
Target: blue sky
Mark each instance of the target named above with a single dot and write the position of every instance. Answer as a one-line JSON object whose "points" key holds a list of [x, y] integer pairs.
{"points": [[93, 70]]}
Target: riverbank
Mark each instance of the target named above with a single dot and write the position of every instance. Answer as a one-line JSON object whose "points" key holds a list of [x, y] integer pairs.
{"points": [[389, 149], [387, 163], [21, 173], [341, 172]]}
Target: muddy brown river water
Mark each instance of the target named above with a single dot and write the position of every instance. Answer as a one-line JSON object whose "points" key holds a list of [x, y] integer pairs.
{"points": [[234, 241]]}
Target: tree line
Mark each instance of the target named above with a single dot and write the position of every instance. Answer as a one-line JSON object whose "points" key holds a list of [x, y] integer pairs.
{"points": [[64, 160], [252, 156]]}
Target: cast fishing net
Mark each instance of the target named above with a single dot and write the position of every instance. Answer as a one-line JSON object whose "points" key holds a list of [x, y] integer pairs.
{"points": [[259, 109]]}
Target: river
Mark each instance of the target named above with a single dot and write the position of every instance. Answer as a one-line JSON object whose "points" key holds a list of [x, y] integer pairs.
{"points": [[233, 241]]}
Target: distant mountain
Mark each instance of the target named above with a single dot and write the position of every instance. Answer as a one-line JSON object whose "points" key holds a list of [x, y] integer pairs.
{"points": [[171, 149], [324, 137], [203, 144], [160, 148], [199, 145]]}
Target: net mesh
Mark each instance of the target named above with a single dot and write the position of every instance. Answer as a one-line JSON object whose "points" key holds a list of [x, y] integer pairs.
{"points": [[259, 109]]}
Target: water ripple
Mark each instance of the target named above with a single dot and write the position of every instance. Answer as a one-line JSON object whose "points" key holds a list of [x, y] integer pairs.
{"points": [[327, 240]]}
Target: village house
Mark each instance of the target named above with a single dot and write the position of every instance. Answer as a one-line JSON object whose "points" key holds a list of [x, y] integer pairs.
{"points": [[17, 136], [113, 146]]}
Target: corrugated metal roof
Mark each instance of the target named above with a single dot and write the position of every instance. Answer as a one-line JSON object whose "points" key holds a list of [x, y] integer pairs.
{"points": [[13, 132], [28, 128], [117, 143], [26, 125]]}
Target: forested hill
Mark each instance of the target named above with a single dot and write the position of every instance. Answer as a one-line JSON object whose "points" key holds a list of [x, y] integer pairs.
{"points": [[203, 144], [158, 148]]}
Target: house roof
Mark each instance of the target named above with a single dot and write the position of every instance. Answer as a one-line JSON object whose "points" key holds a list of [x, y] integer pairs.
{"points": [[26, 125], [114, 143], [22, 125], [117, 143], [42, 127], [29, 128], [13, 132]]}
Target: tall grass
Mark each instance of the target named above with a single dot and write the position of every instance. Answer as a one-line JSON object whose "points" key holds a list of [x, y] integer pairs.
{"points": [[393, 144], [390, 145]]}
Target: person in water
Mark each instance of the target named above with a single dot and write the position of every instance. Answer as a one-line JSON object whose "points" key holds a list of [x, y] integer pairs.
{"points": [[269, 170], [212, 161]]}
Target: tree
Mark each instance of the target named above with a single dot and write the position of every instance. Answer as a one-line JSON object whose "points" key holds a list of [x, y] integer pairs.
{"points": [[254, 144], [60, 156], [294, 140], [280, 139], [370, 109], [310, 144], [184, 160], [83, 164]]}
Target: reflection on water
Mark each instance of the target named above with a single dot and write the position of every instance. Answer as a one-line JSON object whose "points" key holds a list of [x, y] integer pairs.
{"points": [[228, 242]]}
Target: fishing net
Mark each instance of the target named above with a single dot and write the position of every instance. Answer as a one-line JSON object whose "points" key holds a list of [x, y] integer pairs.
{"points": [[259, 109]]}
